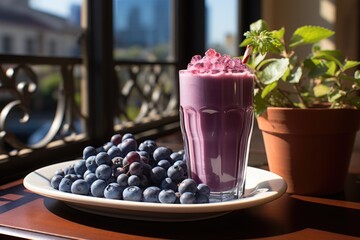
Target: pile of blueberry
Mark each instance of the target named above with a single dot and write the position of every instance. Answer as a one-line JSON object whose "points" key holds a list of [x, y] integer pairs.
{"points": [[122, 169]]}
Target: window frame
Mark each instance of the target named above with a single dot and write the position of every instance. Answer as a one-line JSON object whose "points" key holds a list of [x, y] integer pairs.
{"points": [[99, 83]]}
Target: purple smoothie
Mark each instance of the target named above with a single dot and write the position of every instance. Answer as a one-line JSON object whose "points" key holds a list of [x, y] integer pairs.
{"points": [[216, 110]]}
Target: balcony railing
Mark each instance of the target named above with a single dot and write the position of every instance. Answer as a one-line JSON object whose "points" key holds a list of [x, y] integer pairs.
{"points": [[145, 100]]}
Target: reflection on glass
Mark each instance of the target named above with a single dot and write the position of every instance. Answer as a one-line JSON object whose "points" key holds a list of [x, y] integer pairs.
{"points": [[142, 30], [222, 26], [34, 27]]}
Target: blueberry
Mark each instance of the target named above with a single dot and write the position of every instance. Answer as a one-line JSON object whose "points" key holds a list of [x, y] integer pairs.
{"points": [[100, 149], [151, 194], [128, 136], [90, 178], [127, 146], [157, 174], [112, 179], [107, 146], [182, 152], [136, 168], [86, 173], [65, 185], [103, 158], [203, 189], [119, 170], [175, 156], [147, 170], [70, 170], [116, 139], [60, 172], [188, 185], [97, 188], [144, 159], [103, 172], [88, 151], [122, 180], [132, 193], [167, 196], [131, 157], [176, 173], [164, 163], [148, 146], [80, 167], [202, 198], [55, 181], [187, 198], [81, 187], [134, 180], [150, 142], [72, 177], [162, 153], [183, 165], [168, 183], [114, 151], [113, 191], [91, 163], [144, 181], [144, 154]]}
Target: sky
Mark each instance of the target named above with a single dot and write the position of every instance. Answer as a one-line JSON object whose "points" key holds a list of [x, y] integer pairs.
{"points": [[222, 15], [56, 7], [222, 19]]}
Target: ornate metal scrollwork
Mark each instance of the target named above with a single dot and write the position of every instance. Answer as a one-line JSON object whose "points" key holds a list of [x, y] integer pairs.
{"points": [[153, 85], [21, 90]]}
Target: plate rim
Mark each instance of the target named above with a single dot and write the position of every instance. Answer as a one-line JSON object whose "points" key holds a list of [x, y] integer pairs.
{"points": [[69, 198]]}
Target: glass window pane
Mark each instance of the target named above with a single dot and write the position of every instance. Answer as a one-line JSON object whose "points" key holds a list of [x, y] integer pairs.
{"points": [[34, 27], [142, 30], [222, 26]]}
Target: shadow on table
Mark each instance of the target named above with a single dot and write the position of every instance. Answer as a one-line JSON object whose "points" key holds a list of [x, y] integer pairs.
{"points": [[283, 216]]}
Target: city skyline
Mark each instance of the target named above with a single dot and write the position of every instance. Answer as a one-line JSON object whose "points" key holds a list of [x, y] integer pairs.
{"points": [[221, 21]]}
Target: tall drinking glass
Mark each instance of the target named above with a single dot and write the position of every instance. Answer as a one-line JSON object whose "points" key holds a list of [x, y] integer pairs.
{"points": [[216, 116]]}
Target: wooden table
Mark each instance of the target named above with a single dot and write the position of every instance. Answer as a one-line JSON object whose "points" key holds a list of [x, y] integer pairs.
{"points": [[28, 215]]}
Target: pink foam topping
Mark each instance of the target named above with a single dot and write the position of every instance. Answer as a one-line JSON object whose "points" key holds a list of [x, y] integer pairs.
{"points": [[213, 62]]}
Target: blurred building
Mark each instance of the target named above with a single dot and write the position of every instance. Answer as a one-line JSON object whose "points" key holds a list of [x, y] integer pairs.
{"points": [[27, 31], [142, 23]]}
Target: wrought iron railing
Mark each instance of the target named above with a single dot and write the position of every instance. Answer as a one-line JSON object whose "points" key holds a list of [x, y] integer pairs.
{"points": [[148, 94], [145, 99], [18, 84]]}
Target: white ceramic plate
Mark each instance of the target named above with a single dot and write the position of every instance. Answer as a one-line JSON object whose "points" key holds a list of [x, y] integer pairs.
{"points": [[261, 187]]}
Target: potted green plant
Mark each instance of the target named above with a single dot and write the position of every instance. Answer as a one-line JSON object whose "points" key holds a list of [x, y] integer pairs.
{"points": [[307, 108]]}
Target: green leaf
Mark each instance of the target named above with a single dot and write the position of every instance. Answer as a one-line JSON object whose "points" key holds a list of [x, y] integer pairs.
{"points": [[321, 90], [331, 68], [279, 34], [286, 74], [335, 96], [274, 70], [268, 89], [309, 35], [295, 76], [245, 42], [260, 105], [263, 42], [259, 25], [350, 64], [357, 74], [316, 67], [331, 55]]}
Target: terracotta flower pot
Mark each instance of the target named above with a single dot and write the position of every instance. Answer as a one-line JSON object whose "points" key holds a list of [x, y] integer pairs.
{"points": [[310, 148]]}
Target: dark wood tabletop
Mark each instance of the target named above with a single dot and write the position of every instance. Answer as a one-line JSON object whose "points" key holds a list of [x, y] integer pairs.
{"points": [[27, 215]]}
